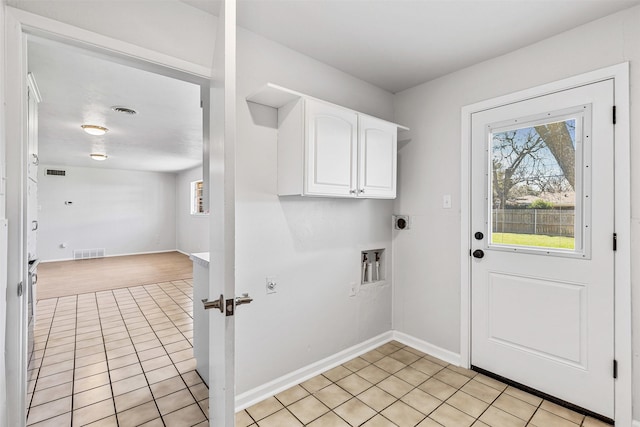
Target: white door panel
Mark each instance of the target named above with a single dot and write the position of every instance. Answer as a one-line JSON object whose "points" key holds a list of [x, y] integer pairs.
{"points": [[542, 195]]}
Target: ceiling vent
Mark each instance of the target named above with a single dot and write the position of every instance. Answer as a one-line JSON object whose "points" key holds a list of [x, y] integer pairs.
{"points": [[56, 172], [124, 110]]}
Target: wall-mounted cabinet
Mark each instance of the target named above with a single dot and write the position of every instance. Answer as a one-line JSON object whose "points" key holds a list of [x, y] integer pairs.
{"points": [[325, 150]]}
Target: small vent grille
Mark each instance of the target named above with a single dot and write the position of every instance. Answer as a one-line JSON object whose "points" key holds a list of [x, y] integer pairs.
{"points": [[124, 110], [88, 253], [56, 172]]}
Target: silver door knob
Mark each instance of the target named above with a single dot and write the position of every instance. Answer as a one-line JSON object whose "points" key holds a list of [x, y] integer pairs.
{"points": [[244, 299], [361, 190], [219, 304]]}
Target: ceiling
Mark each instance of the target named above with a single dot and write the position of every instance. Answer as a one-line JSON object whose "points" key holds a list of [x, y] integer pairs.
{"points": [[80, 88], [398, 44]]}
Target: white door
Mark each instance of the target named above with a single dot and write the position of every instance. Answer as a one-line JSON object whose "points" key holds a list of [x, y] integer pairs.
{"points": [[377, 154], [220, 147], [542, 242], [331, 150]]}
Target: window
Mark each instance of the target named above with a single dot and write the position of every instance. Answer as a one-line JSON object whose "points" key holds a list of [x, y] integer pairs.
{"points": [[197, 201], [538, 173]]}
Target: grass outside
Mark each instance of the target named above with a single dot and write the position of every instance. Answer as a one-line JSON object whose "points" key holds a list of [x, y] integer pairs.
{"points": [[536, 240]]}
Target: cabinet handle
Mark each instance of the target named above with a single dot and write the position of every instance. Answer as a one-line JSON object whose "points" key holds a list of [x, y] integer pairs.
{"points": [[352, 191], [35, 160], [361, 190], [34, 225]]}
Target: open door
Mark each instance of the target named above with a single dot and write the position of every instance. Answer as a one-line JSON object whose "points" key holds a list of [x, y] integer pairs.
{"points": [[220, 172]]}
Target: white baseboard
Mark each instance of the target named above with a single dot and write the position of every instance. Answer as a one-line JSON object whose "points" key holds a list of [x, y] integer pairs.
{"points": [[433, 350], [278, 385], [116, 255]]}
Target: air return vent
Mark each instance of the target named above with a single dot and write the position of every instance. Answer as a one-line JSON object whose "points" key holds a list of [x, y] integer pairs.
{"points": [[124, 110], [88, 253], [56, 172]]}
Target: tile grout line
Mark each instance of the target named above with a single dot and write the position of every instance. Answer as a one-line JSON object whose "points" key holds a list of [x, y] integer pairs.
{"points": [[106, 359], [163, 346], [35, 385], [137, 356]]}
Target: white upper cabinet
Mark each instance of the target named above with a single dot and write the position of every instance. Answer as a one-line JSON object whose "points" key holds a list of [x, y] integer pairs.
{"points": [[326, 150], [329, 151], [377, 158]]}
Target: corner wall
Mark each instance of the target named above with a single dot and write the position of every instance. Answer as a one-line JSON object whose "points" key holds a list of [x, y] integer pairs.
{"points": [[427, 298], [125, 212], [192, 231]]}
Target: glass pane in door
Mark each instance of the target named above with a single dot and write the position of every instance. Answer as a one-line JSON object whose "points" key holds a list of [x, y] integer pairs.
{"points": [[533, 185]]}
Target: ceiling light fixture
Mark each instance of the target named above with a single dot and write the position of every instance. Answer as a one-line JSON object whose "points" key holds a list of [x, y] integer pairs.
{"points": [[94, 129], [98, 156]]}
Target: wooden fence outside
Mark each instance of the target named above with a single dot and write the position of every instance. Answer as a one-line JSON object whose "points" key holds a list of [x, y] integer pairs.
{"points": [[534, 221]]}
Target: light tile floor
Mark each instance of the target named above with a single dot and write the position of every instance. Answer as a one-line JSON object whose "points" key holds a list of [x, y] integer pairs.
{"points": [[117, 358], [125, 358], [396, 385]]}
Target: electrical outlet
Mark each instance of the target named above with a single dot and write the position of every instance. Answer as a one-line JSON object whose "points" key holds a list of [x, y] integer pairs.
{"points": [[446, 201], [355, 288], [271, 285]]}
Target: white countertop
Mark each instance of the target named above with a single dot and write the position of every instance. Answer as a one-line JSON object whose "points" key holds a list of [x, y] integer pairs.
{"points": [[201, 258]]}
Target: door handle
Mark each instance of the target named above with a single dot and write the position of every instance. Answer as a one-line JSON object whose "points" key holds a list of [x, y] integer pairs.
{"points": [[244, 299], [478, 253], [219, 304], [35, 160]]}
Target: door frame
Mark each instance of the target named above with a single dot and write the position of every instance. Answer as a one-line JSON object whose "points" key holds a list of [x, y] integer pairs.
{"points": [[622, 220], [17, 25]]}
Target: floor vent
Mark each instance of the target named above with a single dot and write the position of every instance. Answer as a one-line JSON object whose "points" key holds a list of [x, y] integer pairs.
{"points": [[88, 253], [56, 172]]}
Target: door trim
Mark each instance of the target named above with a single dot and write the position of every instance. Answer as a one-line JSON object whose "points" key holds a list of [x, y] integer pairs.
{"points": [[17, 24], [622, 221]]}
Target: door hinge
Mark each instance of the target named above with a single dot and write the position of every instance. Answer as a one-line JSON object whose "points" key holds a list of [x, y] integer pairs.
{"points": [[614, 114], [469, 252], [615, 241], [20, 289], [201, 104], [615, 368]]}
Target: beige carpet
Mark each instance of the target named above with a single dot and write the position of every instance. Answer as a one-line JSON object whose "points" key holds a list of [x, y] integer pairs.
{"points": [[62, 278]]}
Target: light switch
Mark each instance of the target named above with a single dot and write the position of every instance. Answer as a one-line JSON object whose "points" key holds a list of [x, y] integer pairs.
{"points": [[446, 201]]}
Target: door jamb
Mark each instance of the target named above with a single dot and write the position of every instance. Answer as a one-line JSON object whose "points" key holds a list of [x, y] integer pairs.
{"points": [[622, 222], [18, 23]]}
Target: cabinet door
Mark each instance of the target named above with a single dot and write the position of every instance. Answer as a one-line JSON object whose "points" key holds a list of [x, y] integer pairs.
{"points": [[377, 158], [330, 150], [32, 219], [32, 134]]}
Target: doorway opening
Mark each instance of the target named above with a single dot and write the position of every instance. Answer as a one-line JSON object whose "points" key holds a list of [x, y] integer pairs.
{"points": [[124, 348]]}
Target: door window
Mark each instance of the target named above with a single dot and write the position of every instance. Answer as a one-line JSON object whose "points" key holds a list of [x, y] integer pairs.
{"points": [[537, 194]]}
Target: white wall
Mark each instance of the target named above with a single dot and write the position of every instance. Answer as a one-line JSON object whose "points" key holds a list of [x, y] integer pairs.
{"points": [[427, 299], [312, 246], [125, 212], [192, 231], [3, 271]]}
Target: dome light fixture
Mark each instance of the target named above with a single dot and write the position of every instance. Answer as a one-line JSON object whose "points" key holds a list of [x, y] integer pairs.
{"points": [[95, 129], [98, 156]]}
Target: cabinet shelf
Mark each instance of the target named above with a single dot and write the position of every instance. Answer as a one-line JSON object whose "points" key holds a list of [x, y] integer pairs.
{"points": [[275, 96]]}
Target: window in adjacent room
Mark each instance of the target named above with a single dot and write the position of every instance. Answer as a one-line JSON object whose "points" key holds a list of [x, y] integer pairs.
{"points": [[197, 201]]}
